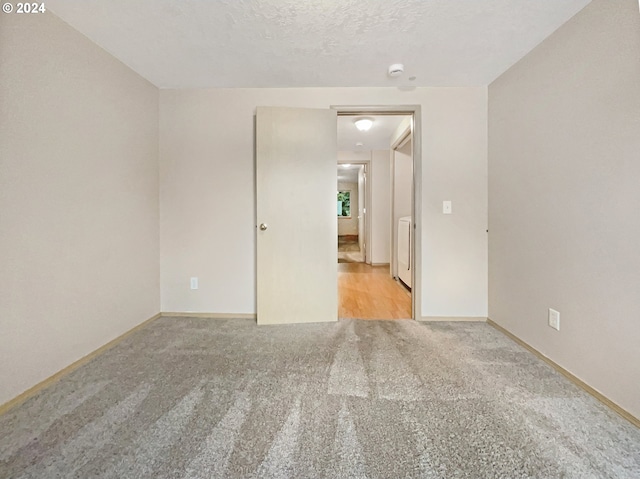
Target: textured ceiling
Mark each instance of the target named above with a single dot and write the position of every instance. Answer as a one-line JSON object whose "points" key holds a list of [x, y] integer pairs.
{"points": [[377, 138], [294, 43]]}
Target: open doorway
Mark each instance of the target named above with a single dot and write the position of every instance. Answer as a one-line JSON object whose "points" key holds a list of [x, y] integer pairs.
{"points": [[375, 190], [304, 142], [352, 231]]}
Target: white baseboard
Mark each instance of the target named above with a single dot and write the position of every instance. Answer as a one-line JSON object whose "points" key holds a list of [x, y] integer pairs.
{"points": [[576, 380], [469, 319], [187, 314], [71, 367]]}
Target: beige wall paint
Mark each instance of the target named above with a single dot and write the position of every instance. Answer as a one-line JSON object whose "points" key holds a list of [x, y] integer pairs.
{"points": [[207, 157], [349, 226], [564, 169], [78, 199]]}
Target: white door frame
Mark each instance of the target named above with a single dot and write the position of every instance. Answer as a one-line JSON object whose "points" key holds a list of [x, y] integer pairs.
{"points": [[367, 204], [405, 136], [416, 209]]}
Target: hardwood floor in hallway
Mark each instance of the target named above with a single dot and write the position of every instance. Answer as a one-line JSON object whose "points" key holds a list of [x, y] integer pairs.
{"points": [[369, 292]]}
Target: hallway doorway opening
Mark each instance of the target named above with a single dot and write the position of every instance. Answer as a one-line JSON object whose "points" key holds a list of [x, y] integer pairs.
{"points": [[375, 190]]}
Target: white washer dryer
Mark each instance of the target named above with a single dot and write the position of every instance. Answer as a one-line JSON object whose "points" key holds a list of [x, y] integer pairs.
{"points": [[404, 250]]}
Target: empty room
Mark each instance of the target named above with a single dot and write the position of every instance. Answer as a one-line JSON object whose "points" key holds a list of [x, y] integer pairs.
{"points": [[179, 298]]}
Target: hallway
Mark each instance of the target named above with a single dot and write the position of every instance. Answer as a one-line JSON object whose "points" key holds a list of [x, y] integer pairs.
{"points": [[369, 292], [349, 251]]}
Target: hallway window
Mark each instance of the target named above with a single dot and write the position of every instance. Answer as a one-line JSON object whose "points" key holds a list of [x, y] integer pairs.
{"points": [[344, 204]]}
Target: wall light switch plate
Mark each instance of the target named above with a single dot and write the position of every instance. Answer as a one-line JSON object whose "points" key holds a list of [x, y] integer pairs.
{"points": [[446, 208], [194, 283], [554, 319]]}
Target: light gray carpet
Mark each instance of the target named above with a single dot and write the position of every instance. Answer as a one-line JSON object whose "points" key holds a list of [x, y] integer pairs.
{"points": [[196, 398]]}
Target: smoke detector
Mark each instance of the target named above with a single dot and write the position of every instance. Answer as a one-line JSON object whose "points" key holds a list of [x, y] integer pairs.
{"points": [[396, 70]]}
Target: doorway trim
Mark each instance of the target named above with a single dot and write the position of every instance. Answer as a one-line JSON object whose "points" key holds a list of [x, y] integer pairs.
{"points": [[416, 203], [367, 202], [405, 136]]}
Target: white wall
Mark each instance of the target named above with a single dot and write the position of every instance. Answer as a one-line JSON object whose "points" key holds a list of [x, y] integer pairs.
{"points": [[400, 131], [207, 157], [78, 199], [349, 226], [380, 181], [565, 196]]}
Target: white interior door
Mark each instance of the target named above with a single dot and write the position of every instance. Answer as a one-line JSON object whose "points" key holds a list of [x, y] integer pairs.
{"points": [[296, 185]]}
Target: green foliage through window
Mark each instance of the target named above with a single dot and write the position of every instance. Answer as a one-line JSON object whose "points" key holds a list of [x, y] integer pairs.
{"points": [[344, 203]]}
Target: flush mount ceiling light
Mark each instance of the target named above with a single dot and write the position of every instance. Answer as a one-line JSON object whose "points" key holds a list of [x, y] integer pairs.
{"points": [[346, 165], [396, 70], [364, 124], [359, 144]]}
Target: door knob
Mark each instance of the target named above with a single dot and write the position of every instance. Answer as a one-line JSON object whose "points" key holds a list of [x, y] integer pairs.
{"points": [[263, 226]]}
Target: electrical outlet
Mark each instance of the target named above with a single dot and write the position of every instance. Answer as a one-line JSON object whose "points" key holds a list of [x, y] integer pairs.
{"points": [[554, 319], [194, 283]]}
